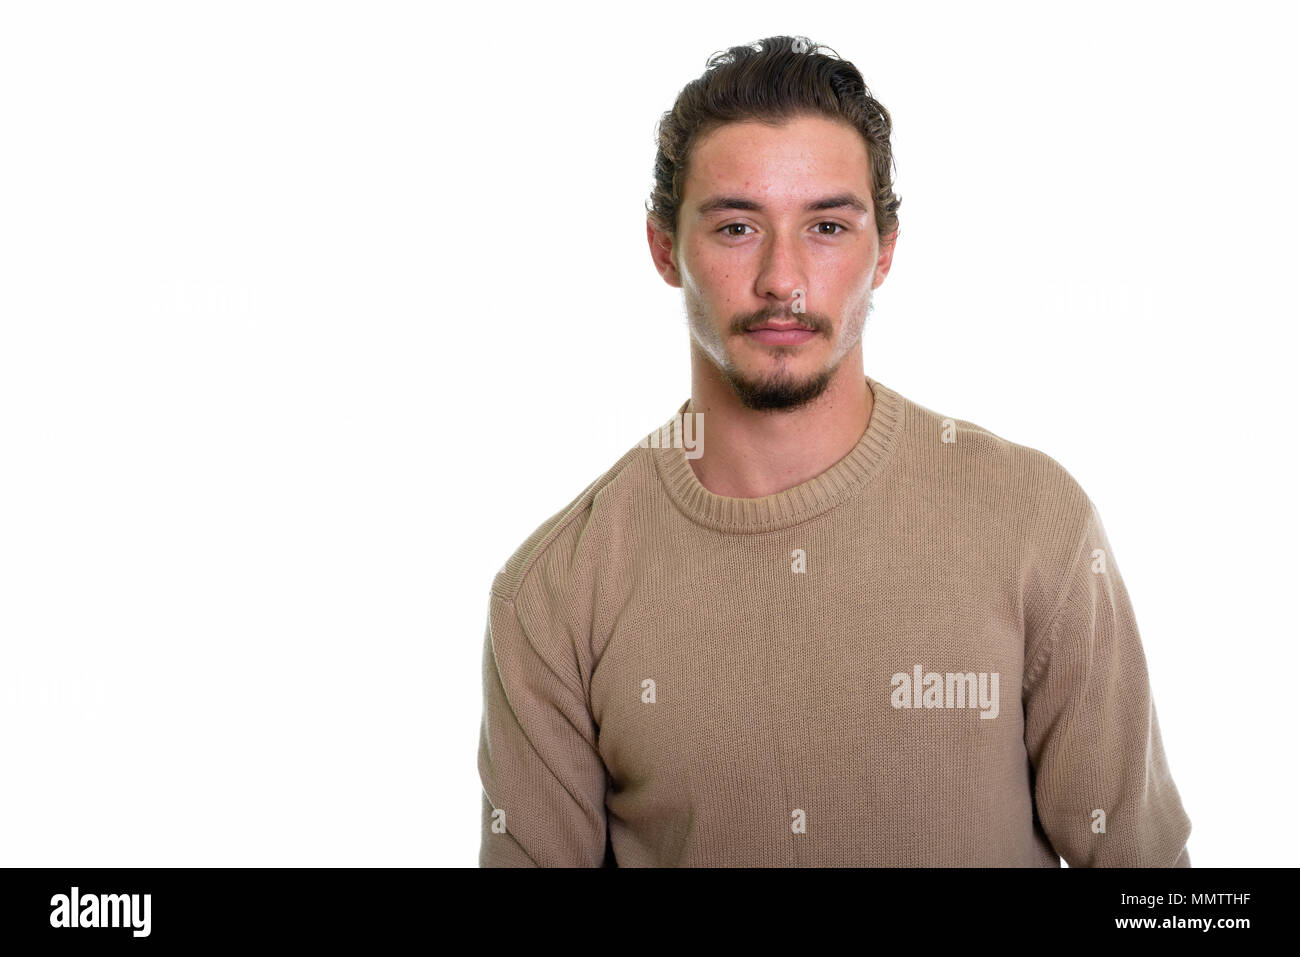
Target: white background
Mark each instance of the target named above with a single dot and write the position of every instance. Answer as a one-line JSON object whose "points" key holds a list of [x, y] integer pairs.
{"points": [[311, 313]]}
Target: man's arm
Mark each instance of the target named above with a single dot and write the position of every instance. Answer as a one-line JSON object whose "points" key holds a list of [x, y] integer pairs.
{"points": [[1102, 788], [543, 779]]}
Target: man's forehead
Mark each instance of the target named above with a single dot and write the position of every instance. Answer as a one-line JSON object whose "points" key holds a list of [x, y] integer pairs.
{"points": [[791, 165]]}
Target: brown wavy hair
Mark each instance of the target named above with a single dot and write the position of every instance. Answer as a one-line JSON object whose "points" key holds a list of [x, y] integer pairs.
{"points": [[771, 80]]}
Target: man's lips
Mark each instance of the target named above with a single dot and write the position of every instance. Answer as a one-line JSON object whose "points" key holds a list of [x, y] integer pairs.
{"points": [[786, 334]]}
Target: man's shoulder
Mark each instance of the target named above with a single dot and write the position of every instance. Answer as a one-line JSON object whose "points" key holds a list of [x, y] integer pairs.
{"points": [[1016, 494], [554, 546], [1021, 469]]}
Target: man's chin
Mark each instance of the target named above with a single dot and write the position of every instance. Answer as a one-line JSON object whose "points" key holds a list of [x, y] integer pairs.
{"points": [[778, 392]]}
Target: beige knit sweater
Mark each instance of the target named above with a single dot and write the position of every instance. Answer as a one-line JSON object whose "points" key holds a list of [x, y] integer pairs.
{"points": [[924, 656]]}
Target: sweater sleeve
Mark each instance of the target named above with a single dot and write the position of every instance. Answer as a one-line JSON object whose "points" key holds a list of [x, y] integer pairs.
{"points": [[1102, 790], [543, 778]]}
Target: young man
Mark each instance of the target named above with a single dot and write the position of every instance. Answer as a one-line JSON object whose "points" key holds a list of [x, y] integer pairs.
{"points": [[834, 627]]}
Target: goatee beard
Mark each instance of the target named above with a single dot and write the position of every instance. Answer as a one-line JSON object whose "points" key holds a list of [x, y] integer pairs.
{"points": [[777, 392]]}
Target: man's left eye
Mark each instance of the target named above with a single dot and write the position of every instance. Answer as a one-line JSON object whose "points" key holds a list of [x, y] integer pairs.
{"points": [[836, 225]]}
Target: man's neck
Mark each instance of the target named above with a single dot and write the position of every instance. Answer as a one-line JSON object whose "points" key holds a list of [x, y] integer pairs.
{"points": [[749, 454]]}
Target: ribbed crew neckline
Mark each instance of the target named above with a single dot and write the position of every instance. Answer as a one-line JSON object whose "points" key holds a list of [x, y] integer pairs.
{"points": [[793, 505]]}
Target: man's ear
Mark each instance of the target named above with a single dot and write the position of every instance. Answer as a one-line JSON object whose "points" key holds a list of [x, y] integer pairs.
{"points": [[661, 252], [886, 257]]}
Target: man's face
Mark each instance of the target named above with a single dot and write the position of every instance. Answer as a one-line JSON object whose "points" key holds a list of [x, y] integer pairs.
{"points": [[749, 250]]}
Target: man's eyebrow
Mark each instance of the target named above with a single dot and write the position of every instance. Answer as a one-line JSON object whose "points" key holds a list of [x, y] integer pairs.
{"points": [[839, 201]]}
